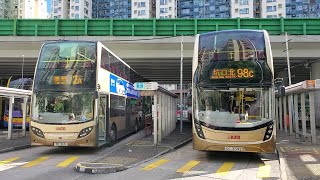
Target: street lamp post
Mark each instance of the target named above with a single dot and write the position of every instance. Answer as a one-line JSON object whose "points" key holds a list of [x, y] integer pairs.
{"points": [[181, 79], [22, 70]]}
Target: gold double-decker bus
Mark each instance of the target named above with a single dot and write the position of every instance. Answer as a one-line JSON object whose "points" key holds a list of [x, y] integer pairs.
{"points": [[233, 92], [82, 95]]}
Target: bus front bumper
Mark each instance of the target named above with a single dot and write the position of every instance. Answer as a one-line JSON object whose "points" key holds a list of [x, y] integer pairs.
{"points": [[263, 147], [87, 141]]}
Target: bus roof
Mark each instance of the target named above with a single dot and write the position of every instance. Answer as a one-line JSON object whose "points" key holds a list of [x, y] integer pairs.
{"points": [[71, 41], [87, 41], [232, 30]]}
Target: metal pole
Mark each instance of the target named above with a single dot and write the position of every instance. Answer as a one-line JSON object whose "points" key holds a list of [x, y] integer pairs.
{"points": [[290, 104], [181, 71], [288, 61], [11, 101], [22, 69], [24, 111], [312, 118], [155, 118]]}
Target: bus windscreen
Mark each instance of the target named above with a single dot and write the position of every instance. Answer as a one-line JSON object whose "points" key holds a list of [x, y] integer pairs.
{"points": [[233, 57], [67, 66]]}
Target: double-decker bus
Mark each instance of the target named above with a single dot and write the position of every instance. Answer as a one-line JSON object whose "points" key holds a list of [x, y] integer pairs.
{"points": [[233, 92], [82, 96], [17, 115]]}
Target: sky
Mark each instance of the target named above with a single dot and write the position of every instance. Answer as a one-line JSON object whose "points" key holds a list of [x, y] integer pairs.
{"points": [[48, 6]]}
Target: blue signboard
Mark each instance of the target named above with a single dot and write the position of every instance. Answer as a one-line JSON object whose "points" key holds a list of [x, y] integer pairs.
{"points": [[122, 87]]}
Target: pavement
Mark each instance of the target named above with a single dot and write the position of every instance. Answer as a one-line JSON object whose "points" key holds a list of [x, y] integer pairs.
{"points": [[298, 160], [17, 141], [136, 152]]}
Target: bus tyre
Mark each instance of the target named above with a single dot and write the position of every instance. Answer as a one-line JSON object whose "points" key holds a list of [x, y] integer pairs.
{"points": [[113, 134]]}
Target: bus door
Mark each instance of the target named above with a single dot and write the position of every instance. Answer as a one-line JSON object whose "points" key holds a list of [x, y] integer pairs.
{"points": [[103, 122], [129, 119]]}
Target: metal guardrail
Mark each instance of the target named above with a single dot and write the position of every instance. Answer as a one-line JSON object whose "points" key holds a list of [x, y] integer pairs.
{"points": [[152, 27], [292, 108]]}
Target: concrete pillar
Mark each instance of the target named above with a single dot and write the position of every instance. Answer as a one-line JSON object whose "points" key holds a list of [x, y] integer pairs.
{"points": [[315, 74]]}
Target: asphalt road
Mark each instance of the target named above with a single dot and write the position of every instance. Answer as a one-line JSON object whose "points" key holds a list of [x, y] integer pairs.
{"points": [[184, 163], [51, 162]]}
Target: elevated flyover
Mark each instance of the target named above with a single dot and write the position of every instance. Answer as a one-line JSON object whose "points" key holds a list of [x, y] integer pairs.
{"points": [[152, 46]]}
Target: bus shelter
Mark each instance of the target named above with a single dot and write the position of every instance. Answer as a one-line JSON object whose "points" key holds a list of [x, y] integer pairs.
{"points": [[12, 94], [163, 110]]}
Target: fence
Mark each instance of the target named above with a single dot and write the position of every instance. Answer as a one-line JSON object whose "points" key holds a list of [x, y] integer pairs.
{"points": [[295, 111], [152, 27]]}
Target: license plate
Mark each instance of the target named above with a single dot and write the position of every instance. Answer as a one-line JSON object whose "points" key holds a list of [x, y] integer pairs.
{"points": [[60, 144], [234, 149]]}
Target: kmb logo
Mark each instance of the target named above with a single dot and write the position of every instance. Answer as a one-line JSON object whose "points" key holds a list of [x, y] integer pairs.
{"points": [[234, 137], [60, 128]]}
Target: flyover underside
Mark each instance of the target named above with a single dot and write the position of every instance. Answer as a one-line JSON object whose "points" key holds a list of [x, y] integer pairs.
{"points": [[155, 59], [159, 70]]}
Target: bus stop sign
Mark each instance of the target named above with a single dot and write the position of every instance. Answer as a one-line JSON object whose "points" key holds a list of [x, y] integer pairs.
{"points": [[146, 86]]}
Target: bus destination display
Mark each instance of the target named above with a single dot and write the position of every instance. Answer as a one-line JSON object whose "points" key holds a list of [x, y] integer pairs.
{"points": [[76, 80], [232, 73]]}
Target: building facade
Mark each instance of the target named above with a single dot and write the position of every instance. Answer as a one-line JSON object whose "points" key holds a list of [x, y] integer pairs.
{"points": [[2, 8], [111, 9], [33, 9], [273, 8], [242, 9], [71, 9], [203, 9], [143, 9], [302, 8], [166, 9], [8, 9]]}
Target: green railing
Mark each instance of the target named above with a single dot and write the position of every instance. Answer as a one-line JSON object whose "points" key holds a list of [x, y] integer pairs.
{"points": [[151, 27]]}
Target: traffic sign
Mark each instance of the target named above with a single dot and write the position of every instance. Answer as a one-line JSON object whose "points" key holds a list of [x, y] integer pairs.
{"points": [[146, 86]]}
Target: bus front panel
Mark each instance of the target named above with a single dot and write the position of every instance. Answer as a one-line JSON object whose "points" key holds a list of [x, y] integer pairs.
{"points": [[63, 135]]}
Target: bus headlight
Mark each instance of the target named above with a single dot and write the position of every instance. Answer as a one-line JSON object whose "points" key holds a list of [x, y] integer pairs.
{"points": [[84, 132], [37, 132], [268, 133], [199, 129]]}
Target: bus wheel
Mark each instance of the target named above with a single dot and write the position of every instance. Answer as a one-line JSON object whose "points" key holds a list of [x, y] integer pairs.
{"points": [[113, 134]]}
